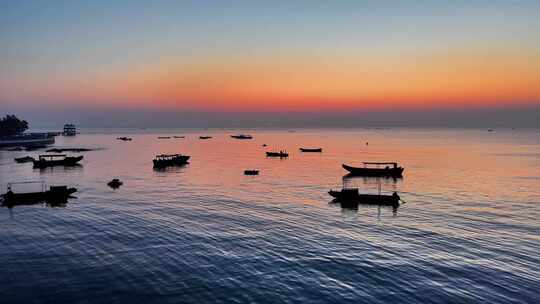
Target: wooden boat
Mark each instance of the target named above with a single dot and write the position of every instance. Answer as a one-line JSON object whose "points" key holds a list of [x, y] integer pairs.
{"points": [[242, 136], [25, 159], [179, 136], [124, 138], [310, 149], [251, 172], [50, 160], [54, 194], [205, 137], [164, 137], [115, 183], [391, 169], [280, 154], [166, 160], [352, 196]]}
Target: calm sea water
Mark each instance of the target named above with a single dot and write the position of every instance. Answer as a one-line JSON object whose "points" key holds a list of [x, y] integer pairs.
{"points": [[469, 232]]}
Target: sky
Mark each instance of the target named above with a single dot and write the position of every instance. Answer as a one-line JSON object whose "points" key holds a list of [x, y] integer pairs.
{"points": [[233, 60]]}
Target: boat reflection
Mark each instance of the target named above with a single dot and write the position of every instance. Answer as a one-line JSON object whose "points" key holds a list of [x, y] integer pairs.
{"points": [[52, 203], [59, 169], [171, 169], [354, 181], [351, 207]]}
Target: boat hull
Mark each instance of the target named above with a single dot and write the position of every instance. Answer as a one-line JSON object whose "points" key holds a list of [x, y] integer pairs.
{"points": [[353, 197], [311, 150], [55, 194], [277, 154], [375, 172]]}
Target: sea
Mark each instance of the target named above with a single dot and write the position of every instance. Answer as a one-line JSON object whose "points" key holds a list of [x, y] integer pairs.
{"points": [[467, 230]]}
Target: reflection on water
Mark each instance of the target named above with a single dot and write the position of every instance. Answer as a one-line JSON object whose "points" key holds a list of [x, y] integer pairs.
{"points": [[206, 233], [59, 169]]}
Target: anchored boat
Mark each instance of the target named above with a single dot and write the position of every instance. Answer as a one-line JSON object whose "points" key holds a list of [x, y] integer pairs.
{"points": [[310, 149], [242, 136], [280, 154], [391, 169], [55, 194], [50, 160], [25, 159], [352, 196], [166, 160]]}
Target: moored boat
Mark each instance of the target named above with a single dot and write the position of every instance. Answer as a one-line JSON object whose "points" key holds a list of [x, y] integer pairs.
{"points": [[115, 183], [123, 138], [164, 137], [50, 160], [166, 160], [352, 196], [54, 194], [280, 154], [310, 149], [242, 136], [391, 169], [251, 172], [205, 137]]}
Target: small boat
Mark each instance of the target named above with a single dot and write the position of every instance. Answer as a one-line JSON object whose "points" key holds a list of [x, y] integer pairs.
{"points": [[25, 159], [352, 196], [50, 160], [264, 145], [164, 137], [242, 136], [166, 160], [310, 149], [124, 138], [115, 183], [205, 137], [280, 154], [179, 136], [251, 172], [54, 194], [391, 169]]}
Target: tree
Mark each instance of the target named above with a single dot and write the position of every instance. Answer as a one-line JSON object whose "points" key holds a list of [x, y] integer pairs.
{"points": [[11, 125]]}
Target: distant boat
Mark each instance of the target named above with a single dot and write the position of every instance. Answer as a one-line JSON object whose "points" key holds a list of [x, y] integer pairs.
{"points": [[179, 136], [352, 196], [251, 172], [124, 138], [242, 136], [391, 169], [28, 140], [164, 137], [69, 130], [25, 159], [310, 149], [50, 160], [264, 145], [54, 194], [280, 154], [490, 130], [166, 160], [205, 137]]}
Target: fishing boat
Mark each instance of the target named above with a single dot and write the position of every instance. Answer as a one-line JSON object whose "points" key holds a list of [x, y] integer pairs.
{"points": [[164, 137], [352, 196], [242, 136], [179, 136], [25, 159], [123, 138], [311, 150], [205, 137], [54, 194], [391, 169], [50, 160], [251, 172], [166, 160], [280, 154]]}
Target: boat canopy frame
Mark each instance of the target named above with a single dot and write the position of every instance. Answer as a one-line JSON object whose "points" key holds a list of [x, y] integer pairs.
{"points": [[10, 184], [167, 156], [394, 164], [51, 156]]}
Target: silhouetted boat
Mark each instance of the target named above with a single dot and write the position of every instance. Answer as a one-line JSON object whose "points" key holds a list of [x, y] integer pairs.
{"points": [[165, 160], [124, 138], [164, 137], [25, 159], [251, 172], [352, 196], [393, 171], [50, 160], [310, 149], [54, 194], [115, 183], [205, 137], [179, 136], [242, 136], [280, 154]]}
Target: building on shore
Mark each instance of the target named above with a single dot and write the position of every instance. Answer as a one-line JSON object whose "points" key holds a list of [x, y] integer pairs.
{"points": [[69, 130]]}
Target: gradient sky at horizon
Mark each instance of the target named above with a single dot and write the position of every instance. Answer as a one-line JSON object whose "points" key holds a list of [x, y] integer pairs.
{"points": [[270, 56]]}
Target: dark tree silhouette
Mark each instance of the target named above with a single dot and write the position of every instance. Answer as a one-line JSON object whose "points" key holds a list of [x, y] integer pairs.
{"points": [[11, 125]]}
